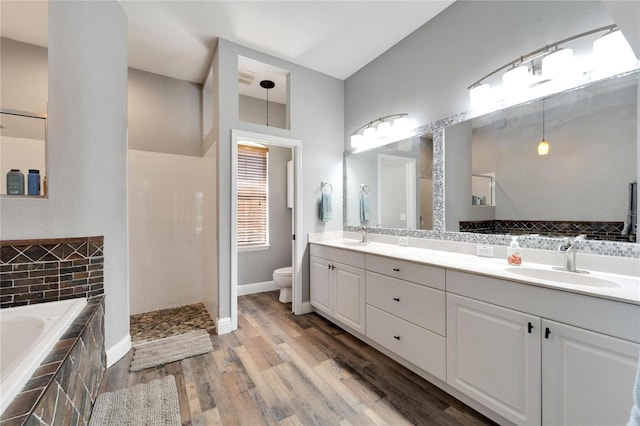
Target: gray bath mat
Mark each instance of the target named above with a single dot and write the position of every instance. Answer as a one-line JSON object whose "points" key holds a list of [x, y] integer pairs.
{"points": [[154, 403], [170, 349]]}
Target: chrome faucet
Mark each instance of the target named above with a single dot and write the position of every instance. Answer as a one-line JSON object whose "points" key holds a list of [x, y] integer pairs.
{"points": [[568, 247], [365, 235]]}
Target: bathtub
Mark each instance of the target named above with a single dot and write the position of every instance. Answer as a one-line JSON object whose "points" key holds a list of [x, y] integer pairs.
{"points": [[27, 335]]}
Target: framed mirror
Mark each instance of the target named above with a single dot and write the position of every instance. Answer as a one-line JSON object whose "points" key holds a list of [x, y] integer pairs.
{"points": [[391, 186], [497, 182]]}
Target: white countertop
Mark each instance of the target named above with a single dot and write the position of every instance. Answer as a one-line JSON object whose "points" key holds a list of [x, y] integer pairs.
{"points": [[622, 288]]}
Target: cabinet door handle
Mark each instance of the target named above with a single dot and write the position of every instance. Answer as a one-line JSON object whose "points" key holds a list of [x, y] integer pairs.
{"points": [[396, 337], [333, 267], [397, 299], [547, 332], [531, 328], [396, 269], [329, 266]]}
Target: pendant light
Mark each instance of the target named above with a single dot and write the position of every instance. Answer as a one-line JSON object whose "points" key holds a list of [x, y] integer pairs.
{"points": [[267, 84], [543, 146]]}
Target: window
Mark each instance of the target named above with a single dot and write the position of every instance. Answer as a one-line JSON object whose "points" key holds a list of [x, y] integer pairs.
{"points": [[253, 196]]}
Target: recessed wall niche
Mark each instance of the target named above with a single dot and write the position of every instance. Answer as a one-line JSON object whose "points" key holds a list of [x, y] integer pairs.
{"points": [[263, 93]]}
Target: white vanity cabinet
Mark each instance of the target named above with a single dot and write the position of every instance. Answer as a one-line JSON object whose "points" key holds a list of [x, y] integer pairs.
{"points": [[534, 370], [407, 317], [587, 377], [337, 285], [494, 357]]}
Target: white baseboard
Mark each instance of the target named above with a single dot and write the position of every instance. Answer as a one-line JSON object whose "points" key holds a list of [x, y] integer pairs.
{"points": [[224, 325], [256, 288], [117, 351]]}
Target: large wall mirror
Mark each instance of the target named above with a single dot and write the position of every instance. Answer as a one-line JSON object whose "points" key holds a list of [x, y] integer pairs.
{"points": [[496, 182], [391, 186]]}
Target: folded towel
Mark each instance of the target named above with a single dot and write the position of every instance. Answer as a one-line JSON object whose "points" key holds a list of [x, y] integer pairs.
{"points": [[365, 208], [325, 207]]}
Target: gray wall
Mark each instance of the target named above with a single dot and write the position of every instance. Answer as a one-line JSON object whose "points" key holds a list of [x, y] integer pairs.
{"points": [[464, 42], [23, 76], [317, 119], [87, 146], [258, 266], [254, 110], [165, 114]]}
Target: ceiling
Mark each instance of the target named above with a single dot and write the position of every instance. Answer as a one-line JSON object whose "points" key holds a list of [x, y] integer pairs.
{"points": [[177, 38]]}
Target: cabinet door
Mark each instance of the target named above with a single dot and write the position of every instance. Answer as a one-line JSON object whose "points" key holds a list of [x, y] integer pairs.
{"points": [[349, 296], [493, 356], [587, 377], [321, 293]]}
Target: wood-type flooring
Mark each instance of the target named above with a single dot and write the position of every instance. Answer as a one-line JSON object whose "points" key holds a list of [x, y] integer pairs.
{"points": [[282, 369]]}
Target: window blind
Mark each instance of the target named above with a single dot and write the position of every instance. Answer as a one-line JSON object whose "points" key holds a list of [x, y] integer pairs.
{"points": [[253, 196]]}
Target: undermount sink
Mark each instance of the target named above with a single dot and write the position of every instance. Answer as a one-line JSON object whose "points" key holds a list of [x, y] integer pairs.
{"points": [[563, 277]]}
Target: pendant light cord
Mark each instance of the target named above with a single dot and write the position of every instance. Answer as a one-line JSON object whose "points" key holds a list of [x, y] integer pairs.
{"points": [[542, 117]]}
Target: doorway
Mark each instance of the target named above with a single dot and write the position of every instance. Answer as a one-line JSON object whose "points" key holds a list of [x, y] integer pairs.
{"points": [[240, 136], [397, 183]]}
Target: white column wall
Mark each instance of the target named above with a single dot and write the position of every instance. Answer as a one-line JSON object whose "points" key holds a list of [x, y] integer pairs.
{"points": [[87, 147]]}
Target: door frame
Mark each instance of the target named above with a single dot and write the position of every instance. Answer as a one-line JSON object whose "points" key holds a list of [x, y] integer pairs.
{"points": [[297, 251]]}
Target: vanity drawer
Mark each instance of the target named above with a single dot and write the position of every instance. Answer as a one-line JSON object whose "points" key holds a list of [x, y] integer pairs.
{"points": [[421, 347], [409, 271], [423, 306], [346, 257]]}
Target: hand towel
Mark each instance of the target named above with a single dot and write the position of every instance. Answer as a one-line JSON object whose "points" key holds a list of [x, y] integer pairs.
{"points": [[365, 208], [325, 207], [631, 217]]}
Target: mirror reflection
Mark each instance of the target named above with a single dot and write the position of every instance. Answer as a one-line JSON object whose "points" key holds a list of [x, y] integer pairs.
{"points": [[22, 153], [391, 186], [498, 182]]}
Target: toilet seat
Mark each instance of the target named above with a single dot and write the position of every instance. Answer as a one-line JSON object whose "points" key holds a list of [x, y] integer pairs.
{"points": [[286, 271]]}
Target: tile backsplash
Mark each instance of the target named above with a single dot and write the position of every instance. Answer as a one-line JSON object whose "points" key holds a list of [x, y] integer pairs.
{"points": [[46, 270]]}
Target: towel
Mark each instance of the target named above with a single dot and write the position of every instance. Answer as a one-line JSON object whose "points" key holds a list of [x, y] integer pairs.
{"points": [[325, 207], [631, 218], [634, 420], [365, 208]]}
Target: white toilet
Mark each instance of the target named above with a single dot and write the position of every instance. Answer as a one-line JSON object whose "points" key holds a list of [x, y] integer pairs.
{"points": [[282, 280]]}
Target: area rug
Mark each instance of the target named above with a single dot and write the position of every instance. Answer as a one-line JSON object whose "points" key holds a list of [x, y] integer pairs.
{"points": [[154, 404], [170, 349]]}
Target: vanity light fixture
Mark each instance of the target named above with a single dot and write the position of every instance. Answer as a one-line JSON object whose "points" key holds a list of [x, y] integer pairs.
{"points": [[381, 131], [543, 146], [612, 54], [267, 84], [555, 71]]}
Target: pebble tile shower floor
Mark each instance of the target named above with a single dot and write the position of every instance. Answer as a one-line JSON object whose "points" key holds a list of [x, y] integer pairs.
{"points": [[169, 322]]}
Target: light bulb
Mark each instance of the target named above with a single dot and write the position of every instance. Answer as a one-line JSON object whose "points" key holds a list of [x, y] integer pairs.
{"points": [[516, 82], [558, 65], [384, 129], [543, 147], [480, 97], [613, 55], [370, 134], [357, 141]]}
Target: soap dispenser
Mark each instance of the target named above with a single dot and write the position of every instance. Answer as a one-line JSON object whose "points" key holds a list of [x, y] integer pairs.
{"points": [[514, 252]]}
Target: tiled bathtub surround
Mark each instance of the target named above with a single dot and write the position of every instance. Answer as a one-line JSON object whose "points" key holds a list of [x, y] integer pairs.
{"points": [[37, 271], [611, 231], [64, 387]]}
